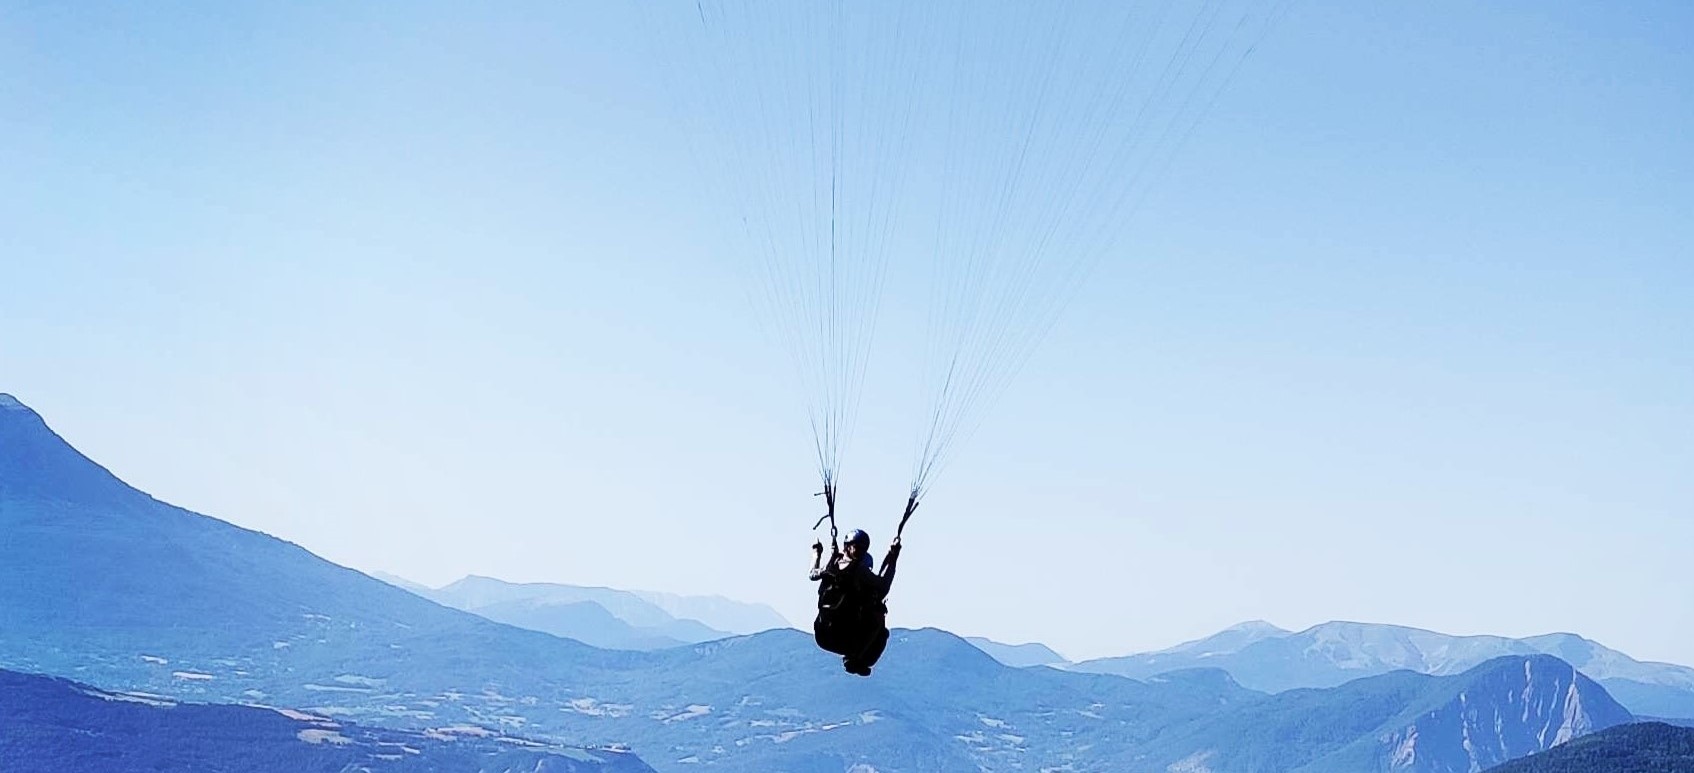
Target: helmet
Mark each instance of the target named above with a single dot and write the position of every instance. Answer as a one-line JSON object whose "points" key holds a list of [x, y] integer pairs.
{"points": [[858, 537]]}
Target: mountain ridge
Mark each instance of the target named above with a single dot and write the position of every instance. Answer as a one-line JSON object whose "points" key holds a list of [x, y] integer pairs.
{"points": [[623, 621], [153, 598], [1024, 655], [1335, 652], [149, 597]]}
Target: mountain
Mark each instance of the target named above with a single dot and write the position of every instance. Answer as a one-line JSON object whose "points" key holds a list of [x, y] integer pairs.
{"points": [[1648, 689], [1190, 654], [401, 582], [1231, 639], [105, 585], [718, 612], [52, 725], [602, 617], [624, 620], [1647, 747], [1267, 658], [935, 703], [86, 555], [1263, 657], [1402, 721], [34, 464], [584, 621], [1018, 655]]}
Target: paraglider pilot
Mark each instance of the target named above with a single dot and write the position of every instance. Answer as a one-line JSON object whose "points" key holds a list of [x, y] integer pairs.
{"points": [[852, 616]]}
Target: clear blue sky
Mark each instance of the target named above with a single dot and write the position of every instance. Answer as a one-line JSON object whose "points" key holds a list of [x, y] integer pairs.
{"points": [[1406, 336]]}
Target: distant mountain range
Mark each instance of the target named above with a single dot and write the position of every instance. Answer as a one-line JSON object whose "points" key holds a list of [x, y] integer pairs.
{"points": [[102, 584], [707, 617], [602, 617], [1497, 711], [719, 613], [50, 725], [1019, 655], [1264, 657], [638, 620], [1647, 747]]}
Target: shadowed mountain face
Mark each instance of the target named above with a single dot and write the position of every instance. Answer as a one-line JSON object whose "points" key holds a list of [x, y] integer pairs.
{"points": [[36, 465], [114, 589], [1646, 747], [1263, 657], [86, 557], [53, 725]]}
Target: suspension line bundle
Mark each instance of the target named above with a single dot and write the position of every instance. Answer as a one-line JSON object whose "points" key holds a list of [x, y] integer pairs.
{"points": [[1004, 143]]}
